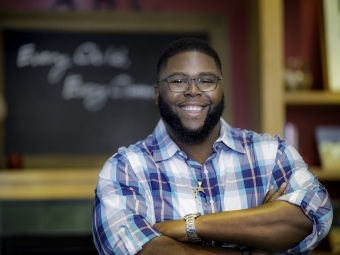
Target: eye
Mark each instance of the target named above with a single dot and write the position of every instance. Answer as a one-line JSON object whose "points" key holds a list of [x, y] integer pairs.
{"points": [[206, 80], [179, 81]]}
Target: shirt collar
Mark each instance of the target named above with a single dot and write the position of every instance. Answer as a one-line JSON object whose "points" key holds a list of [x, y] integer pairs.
{"points": [[231, 137], [164, 147]]}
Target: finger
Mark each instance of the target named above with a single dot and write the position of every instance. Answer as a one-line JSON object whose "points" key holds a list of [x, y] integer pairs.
{"points": [[279, 192], [268, 195], [271, 195]]}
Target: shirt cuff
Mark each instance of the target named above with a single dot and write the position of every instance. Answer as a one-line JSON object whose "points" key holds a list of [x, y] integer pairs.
{"points": [[320, 212], [134, 240]]}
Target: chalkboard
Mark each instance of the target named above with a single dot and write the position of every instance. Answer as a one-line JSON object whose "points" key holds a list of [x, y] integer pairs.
{"points": [[80, 92]]}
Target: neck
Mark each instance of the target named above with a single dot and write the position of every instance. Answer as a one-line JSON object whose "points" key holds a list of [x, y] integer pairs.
{"points": [[198, 152]]}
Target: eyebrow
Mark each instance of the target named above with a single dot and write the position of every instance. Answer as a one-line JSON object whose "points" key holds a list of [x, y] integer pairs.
{"points": [[186, 75]]}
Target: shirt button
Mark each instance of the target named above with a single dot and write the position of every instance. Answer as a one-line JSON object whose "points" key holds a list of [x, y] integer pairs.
{"points": [[211, 201], [319, 233], [206, 171], [121, 230]]}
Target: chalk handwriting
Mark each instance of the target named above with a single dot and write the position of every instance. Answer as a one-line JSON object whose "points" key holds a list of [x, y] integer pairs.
{"points": [[94, 95], [89, 53], [60, 62]]}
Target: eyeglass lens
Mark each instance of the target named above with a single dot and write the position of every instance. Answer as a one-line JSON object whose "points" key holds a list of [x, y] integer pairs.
{"points": [[204, 83]]}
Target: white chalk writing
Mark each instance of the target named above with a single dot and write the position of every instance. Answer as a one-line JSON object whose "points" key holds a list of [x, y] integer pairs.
{"points": [[60, 62], [94, 95], [89, 53]]}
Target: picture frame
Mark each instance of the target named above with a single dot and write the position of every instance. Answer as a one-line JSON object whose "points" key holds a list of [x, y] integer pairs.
{"points": [[328, 141], [330, 44]]}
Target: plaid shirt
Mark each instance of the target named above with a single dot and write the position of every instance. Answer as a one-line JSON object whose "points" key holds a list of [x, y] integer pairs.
{"points": [[153, 181]]}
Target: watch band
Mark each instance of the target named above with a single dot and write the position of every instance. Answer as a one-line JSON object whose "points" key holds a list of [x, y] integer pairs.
{"points": [[190, 225], [244, 250]]}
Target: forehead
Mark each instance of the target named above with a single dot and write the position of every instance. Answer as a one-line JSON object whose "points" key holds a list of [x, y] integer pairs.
{"points": [[191, 63]]}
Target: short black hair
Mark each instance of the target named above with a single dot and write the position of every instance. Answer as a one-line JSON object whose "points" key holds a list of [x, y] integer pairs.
{"points": [[184, 45]]}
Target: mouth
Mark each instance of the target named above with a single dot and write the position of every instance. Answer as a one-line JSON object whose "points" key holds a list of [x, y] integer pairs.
{"points": [[192, 108], [193, 111]]}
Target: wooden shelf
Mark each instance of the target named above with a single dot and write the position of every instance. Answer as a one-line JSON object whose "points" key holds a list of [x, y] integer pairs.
{"points": [[312, 98], [74, 183], [326, 175], [46, 184]]}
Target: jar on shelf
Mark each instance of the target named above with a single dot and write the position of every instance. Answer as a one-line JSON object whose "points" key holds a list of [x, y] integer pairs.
{"points": [[297, 75]]}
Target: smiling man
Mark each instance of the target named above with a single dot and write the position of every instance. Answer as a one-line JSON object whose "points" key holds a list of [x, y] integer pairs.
{"points": [[199, 186]]}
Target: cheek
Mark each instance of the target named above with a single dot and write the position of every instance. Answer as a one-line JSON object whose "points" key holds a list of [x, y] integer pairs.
{"points": [[168, 97], [216, 97], [219, 93], [161, 91]]}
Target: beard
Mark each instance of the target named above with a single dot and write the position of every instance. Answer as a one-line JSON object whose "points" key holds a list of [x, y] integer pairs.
{"points": [[184, 134]]}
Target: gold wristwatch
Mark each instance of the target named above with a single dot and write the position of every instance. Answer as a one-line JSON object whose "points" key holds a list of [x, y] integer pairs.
{"points": [[190, 225]]}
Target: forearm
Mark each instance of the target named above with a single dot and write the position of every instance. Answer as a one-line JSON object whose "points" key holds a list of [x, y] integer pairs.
{"points": [[168, 246], [264, 227]]}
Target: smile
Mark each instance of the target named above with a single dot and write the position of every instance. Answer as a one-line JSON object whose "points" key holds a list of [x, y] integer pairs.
{"points": [[192, 108]]}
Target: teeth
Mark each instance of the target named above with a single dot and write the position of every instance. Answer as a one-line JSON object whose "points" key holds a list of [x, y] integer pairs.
{"points": [[192, 108]]}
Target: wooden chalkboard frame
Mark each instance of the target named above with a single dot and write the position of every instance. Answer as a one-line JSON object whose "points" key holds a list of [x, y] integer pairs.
{"points": [[215, 26]]}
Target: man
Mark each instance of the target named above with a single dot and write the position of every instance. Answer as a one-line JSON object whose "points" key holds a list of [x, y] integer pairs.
{"points": [[197, 185]]}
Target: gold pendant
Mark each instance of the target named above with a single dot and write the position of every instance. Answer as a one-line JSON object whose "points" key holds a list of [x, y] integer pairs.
{"points": [[196, 190]]}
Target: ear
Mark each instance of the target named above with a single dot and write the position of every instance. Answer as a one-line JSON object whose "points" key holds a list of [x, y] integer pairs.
{"points": [[156, 88]]}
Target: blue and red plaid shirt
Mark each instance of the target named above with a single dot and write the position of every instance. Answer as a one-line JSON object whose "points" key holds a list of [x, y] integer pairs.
{"points": [[153, 181]]}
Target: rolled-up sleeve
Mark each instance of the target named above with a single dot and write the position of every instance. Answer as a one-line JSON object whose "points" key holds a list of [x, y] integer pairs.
{"points": [[305, 191], [123, 214]]}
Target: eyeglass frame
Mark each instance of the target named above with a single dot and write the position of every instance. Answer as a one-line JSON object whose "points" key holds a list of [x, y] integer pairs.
{"points": [[217, 78]]}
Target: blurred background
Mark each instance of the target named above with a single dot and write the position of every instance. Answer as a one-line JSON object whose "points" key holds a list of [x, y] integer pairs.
{"points": [[76, 83]]}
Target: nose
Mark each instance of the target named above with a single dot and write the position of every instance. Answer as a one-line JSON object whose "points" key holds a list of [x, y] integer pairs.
{"points": [[193, 90]]}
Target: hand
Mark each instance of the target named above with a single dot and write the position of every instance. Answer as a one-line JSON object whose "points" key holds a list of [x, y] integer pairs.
{"points": [[271, 195], [175, 229]]}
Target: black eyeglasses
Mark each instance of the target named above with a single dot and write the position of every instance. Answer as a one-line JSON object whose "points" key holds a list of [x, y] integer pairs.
{"points": [[181, 84]]}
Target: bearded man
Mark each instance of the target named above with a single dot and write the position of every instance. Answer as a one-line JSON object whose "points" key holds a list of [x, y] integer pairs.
{"points": [[196, 185]]}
